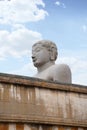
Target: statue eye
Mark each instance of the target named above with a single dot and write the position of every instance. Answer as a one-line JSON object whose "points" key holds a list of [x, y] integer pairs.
{"points": [[38, 49]]}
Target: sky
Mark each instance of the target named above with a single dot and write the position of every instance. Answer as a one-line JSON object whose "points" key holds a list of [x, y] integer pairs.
{"points": [[23, 22]]}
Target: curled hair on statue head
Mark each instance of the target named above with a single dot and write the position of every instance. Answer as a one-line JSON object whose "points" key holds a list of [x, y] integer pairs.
{"points": [[50, 46]]}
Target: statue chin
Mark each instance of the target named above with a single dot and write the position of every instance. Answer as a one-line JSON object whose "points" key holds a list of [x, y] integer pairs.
{"points": [[36, 64]]}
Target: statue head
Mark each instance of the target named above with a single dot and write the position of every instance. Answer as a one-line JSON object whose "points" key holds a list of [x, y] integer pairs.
{"points": [[44, 51]]}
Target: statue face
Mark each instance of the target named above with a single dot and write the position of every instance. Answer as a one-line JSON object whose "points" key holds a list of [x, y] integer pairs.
{"points": [[40, 55]]}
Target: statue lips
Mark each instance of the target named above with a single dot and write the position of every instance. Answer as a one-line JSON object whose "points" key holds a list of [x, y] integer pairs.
{"points": [[34, 60]]}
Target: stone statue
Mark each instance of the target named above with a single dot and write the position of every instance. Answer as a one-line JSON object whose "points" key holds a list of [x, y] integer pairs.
{"points": [[44, 54]]}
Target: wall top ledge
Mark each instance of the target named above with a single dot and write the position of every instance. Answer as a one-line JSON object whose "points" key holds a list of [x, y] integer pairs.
{"points": [[35, 82]]}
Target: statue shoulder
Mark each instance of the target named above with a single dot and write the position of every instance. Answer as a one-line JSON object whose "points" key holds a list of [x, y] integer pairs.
{"points": [[62, 73], [62, 67]]}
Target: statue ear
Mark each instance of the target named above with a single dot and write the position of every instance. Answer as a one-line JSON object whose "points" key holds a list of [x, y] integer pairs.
{"points": [[52, 54]]}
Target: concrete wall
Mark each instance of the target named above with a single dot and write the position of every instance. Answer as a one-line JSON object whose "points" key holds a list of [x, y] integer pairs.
{"points": [[32, 104]]}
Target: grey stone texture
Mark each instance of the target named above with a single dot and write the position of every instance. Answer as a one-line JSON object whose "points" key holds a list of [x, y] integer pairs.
{"points": [[44, 54], [30, 100]]}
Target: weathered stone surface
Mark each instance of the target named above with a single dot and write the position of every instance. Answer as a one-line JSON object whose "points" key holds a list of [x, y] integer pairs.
{"points": [[44, 55], [30, 100], [28, 126]]}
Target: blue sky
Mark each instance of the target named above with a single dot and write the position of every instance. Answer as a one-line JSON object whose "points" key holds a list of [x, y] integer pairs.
{"points": [[22, 23]]}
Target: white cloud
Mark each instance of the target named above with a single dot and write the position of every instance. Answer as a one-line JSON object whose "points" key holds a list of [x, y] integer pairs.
{"points": [[79, 70], [57, 3], [60, 4], [63, 5], [20, 11], [18, 42], [81, 78], [84, 27], [27, 70]]}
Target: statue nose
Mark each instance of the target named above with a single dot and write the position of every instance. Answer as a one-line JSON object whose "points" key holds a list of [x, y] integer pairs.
{"points": [[33, 56]]}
